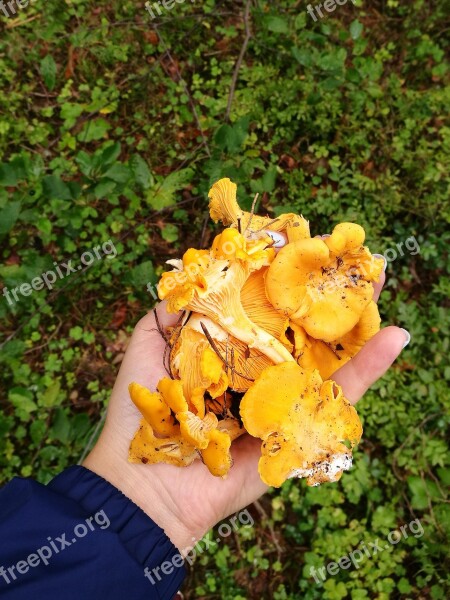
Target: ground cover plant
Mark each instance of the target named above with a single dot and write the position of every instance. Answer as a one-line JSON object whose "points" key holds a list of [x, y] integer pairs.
{"points": [[113, 127]]}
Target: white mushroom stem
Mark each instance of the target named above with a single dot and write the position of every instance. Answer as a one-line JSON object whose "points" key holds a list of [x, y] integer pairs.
{"points": [[222, 304]]}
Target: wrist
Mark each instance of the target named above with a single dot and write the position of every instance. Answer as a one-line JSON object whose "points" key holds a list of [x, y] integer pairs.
{"points": [[149, 493]]}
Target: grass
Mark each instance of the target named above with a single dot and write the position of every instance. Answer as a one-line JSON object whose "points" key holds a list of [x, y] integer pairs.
{"points": [[113, 127]]}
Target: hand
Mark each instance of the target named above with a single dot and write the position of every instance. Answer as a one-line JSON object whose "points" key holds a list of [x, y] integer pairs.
{"points": [[187, 502]]}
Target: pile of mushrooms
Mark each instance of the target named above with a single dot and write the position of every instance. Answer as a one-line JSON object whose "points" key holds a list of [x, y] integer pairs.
{"points": [[259, 334]]}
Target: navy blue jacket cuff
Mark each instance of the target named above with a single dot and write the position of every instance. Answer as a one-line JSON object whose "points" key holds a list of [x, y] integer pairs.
{"points": [[80, 537]]}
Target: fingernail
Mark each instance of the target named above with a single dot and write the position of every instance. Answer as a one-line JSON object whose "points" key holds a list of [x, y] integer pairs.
{"points": [[407, 336], [325, 235], [278, 238], [384, 258]]}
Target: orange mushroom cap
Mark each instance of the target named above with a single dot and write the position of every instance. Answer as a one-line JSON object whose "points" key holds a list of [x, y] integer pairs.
{"points": [[303, 422], [328, 357], [324, 286]]}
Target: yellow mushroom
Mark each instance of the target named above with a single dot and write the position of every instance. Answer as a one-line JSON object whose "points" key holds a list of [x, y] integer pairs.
{"points": [[216, 455], [188, 433], [219, 295], [264, 334], [328, 357], [172, 450], [324, 286], [153, 408], [303, 422], [224, 207]]}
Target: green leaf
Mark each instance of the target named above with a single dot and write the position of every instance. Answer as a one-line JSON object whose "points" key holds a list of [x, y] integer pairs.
{"points": [[231, 137], [48, 71], [119, 173], [54, 187], [169, 232], [85, 162], [22, 399], [303, 56], [276, 24], [423, 492], [141, 172], [8, 216], [104, 188], [356, 29], [110, 154], [50, 395], [140, 275], [60, 429], [94, 130], [8, 175], [164, 195], [76, 333]]}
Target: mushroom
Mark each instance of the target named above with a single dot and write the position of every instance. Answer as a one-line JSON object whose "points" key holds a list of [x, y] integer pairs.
{"points": [[216, 455], [215, 292], [145, 448], [224, 207], [304, 423], [328, 357], [324, 286], [264, 333], [178, 438], [153, 408]]}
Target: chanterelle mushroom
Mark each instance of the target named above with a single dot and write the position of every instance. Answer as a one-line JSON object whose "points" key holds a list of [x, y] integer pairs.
{"points": [[186, 436], [215, 290], [303, 422], [324, 285], [261, 334], [224, 207], [328, 357]]}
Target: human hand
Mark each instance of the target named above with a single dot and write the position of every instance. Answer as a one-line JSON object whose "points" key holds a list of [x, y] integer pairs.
{"points": [[187, 502]]}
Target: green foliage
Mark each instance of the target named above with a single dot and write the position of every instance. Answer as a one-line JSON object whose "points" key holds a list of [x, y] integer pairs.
{"points": [[340, 119]]}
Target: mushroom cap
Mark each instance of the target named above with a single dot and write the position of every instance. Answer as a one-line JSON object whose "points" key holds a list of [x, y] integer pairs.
{"points": [[324, 286], [328, 357], [175, 450], [224, 207], [219, 298], [217, 456], [303, 422], [153, 408]]}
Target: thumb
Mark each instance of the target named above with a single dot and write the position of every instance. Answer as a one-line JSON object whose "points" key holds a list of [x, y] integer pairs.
{"points": [[371, 362]]}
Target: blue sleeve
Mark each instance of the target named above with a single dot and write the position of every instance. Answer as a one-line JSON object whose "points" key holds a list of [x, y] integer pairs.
{"points": [[81, 538]]}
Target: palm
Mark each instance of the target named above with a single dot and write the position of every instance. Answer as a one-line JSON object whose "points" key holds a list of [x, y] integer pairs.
{"points": [[196, 499]]}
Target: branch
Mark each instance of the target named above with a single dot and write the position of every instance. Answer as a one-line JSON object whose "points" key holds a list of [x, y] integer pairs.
{"points": [[248, 35]]}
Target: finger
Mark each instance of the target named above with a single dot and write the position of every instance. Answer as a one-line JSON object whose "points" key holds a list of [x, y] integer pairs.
{"points": [[371, 362], [378, 285]]}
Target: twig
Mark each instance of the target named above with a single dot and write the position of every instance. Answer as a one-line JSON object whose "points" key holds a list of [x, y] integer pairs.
{"points": [[252, 212], [267, 225], [217, 351], [186, 91], [18, 23], [257, 504], [248, 35]]}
